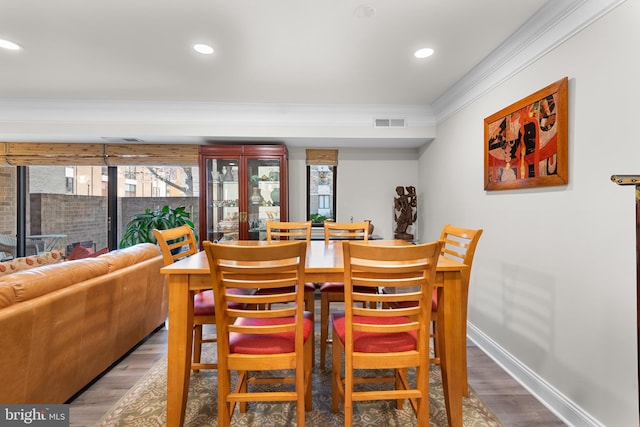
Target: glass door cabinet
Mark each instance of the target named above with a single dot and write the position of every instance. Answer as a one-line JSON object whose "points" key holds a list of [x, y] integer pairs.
{"points": [[241, 187]]}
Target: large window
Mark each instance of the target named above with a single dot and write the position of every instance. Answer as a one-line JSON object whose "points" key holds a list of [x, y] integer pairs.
{"points": [[62, 193]]}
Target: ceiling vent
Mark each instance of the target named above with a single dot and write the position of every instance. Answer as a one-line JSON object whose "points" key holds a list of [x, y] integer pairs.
{"points": [[389, 123]]}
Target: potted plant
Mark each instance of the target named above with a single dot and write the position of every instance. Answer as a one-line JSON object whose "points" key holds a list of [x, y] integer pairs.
{"points": [[317, 220], [140, 228]]}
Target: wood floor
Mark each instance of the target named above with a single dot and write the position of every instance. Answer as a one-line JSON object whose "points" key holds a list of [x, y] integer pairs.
{"points": [[513, 405]]}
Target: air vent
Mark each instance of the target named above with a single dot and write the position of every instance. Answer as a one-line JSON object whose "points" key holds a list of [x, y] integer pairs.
{"points": [[389, 123]]}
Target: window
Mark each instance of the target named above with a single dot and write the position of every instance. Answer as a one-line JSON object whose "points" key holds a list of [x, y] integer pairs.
{"points": [[129, 189], [79, 191], [321, 184]]}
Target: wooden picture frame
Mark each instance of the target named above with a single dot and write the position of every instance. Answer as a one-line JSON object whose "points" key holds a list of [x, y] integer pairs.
{"points": [[526, 142]]}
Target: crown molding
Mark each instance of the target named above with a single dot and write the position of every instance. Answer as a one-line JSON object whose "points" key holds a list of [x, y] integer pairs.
{"points": [[555, 23]]}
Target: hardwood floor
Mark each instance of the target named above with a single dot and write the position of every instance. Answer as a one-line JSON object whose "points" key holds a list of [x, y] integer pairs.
{"points": [[513, 405]]}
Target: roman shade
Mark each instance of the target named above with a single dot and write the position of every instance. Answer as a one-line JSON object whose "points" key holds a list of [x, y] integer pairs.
{"points": [[322, 157], [47, 154], [151, 155]]}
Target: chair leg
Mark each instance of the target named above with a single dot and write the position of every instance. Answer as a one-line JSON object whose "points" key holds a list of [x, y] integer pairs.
{"points": [[422, 384], [324, 326], [336, 379], [436, 342], [224, 388], [400, 375], [197, 344], [301, 396], [308, 368], [348, 397], [309, 305]]}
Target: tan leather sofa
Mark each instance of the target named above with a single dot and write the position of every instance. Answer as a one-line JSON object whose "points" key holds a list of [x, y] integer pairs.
{"points": [[62, 325]]}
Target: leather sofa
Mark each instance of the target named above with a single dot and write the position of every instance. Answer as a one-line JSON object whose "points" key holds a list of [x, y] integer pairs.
{"points": [[62, 325]]}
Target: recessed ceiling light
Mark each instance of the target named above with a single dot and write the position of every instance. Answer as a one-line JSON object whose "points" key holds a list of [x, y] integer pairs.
{"points": [[364, 11], [6, 44], [204, 49], [423, 53]]}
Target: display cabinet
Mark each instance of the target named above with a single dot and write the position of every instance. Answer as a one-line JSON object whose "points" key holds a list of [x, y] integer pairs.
{"points": [[241, 187]]}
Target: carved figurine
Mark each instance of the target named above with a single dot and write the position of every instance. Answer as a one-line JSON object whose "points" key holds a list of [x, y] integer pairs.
{"points": [[405, 211]]}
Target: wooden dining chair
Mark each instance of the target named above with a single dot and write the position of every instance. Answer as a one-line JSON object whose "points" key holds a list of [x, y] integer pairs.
{"points": [[459, 245], [283, 230], [252, 341], [175, 244], [334, 291], [384, 331], [288, 230]]}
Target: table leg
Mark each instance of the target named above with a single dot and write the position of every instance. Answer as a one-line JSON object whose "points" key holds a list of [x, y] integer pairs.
{"points": [[179, 348], [450, 334]]}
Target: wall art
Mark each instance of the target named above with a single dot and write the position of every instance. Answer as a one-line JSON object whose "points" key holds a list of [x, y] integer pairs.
{"points": [[526, 142]]}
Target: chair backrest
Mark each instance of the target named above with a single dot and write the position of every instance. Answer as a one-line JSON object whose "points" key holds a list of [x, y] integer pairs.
{"points": [[460, 244], [237, 272], [346, 230], [176, 243], [283, 230], [408, 275]]}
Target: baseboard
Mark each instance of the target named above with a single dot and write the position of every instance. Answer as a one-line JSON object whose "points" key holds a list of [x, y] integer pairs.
{"points": [[565, 409]]}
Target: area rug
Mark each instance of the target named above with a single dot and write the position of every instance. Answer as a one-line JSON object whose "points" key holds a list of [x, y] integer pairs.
{"points": [[145, 404]]}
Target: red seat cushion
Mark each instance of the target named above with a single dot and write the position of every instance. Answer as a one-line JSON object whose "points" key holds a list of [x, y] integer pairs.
{"points": [[205, 305], [308, 287], [339, 287], [268, 343], [375, 342], [434, 302]]}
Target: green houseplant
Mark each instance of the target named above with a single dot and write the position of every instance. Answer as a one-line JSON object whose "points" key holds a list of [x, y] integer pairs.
{"points": [[140, 228], [318, 220]]}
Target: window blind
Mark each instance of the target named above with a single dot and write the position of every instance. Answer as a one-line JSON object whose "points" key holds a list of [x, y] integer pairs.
{"points": [[322, 157], [48, 154]]}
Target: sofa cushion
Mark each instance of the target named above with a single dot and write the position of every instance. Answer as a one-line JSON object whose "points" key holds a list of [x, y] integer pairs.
{"points": [[129, 256], [29, 284], [7, 296], [25, 263], [8, 267]]}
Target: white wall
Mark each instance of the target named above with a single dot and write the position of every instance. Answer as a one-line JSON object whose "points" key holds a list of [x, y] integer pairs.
{"points": [[367, 179], [553, 291]]}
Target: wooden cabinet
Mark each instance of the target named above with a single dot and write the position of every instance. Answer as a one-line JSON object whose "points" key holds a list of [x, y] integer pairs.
{"points": [[241, 187]]}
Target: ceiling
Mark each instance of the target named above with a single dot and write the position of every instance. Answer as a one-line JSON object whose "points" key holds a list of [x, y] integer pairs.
{"points": [[83, 60]]}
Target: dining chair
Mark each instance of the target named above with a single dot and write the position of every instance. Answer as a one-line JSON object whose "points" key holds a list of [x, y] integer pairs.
{"points": [[334, 291], [459, 245], [175, 244], [254, 341], [288, 230], [382, 332]]}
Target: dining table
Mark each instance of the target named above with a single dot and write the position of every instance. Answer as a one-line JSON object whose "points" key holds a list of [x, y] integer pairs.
{"points": [[324, 263]]}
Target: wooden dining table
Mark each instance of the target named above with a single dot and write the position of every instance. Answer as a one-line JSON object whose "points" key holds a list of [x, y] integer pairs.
{"points": [[324, 263]]}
